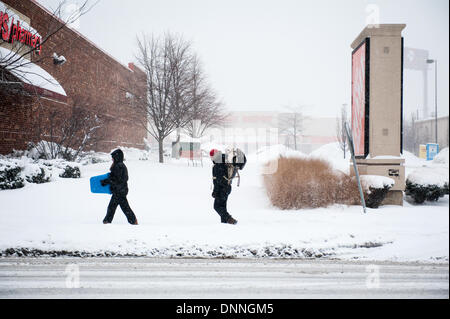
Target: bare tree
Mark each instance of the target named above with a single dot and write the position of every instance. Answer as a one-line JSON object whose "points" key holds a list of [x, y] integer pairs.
{"points": [[59, 135], [206, 110], [177, 94], [180, 57], [210, 113], [155, 57], [291, 123], [340, 129]]}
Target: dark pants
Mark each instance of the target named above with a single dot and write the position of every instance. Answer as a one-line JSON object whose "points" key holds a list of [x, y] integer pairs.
{"points": [[220, 206], [123, 202]]}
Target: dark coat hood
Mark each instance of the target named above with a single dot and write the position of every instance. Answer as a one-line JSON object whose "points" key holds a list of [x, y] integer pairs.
{"points": [[118, 156]]}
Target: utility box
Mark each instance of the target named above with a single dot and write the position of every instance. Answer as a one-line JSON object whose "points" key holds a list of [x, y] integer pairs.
{"points": [[432, 151], [377, 105], [422, 151]]}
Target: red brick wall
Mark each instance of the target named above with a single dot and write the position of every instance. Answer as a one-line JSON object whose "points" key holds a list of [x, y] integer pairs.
{"points": [[89, 75], [15, 114]]}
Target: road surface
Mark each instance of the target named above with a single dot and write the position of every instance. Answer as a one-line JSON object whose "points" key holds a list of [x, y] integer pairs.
{"points": [[218, 279]]}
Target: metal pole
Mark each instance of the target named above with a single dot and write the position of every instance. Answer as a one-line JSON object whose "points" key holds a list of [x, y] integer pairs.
{"points": [[352, 151], [435, 100]]}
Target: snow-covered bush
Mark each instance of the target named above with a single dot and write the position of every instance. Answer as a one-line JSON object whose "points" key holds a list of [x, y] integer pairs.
{"points": [[94, 158], [313, 182], [10, 177], [427, 184], [71, 172], [37, 173], [375, 189], [421, 193]]}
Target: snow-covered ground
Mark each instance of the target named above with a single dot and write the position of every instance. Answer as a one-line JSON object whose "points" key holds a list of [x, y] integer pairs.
{"points": [[173, 204]]}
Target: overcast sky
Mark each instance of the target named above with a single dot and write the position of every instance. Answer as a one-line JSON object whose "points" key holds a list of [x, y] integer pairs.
{"points": [[264, 55]]}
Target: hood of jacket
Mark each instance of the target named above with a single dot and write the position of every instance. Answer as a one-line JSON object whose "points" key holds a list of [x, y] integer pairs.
{"points": [[218, 158], [118, 156]]}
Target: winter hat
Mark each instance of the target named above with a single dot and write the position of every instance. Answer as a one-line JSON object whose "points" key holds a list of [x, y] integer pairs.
{"points": [[213, 151], [216, 156]]}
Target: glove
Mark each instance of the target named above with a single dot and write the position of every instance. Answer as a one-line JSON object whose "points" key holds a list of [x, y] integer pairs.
{"points": [[103, 182]]}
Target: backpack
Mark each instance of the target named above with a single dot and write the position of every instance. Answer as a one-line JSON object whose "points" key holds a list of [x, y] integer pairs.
{"points": [[235, 160]]}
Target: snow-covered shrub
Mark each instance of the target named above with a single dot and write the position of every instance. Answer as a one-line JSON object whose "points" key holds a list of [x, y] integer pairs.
{"points": [[421, 193], [94, 158], [375, 189], [313, 182], [36, 173], [71, 172], [10, 177], [309, 183], [427, 183]]}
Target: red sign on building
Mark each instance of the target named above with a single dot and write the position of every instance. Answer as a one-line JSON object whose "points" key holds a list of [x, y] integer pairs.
{"points": [[360, 99], [17, 31]]}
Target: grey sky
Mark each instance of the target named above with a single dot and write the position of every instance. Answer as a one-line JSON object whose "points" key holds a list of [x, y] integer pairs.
{"points": [[262, 55]]}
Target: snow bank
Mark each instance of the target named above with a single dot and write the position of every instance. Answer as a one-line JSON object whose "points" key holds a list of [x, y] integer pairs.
{"points": [[333, 154], [413, 160], [133, 154], [442, 157], [270, 153]]}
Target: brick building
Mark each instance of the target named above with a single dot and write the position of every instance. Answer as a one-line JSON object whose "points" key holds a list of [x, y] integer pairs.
{"points": [[89, 78]]}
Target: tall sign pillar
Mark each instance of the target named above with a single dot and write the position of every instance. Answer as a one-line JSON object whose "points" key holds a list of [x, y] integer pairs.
{"points": [[377, 105]]}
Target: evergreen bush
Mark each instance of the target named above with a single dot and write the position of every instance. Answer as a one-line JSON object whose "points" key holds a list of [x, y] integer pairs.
{"points": [[375, 196], [10, 176], [421, 193], [39, 176], [71, 172]]}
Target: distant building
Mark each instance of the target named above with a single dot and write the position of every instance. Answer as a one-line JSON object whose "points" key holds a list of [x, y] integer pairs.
{"points": [[250, 130], [426, 131]]}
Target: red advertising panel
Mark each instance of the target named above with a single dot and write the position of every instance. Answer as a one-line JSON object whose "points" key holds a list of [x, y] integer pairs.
{"points": [[359, 99]]}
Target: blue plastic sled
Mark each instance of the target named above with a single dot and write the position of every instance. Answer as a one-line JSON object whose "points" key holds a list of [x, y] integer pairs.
{"points": [[96, 186]]}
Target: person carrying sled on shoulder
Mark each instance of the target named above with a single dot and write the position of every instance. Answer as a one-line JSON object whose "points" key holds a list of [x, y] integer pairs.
{"points": [[119, 188], [222, 186]]}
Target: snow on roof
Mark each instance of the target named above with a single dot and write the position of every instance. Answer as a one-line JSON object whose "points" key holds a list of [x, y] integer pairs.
{"points": [[29, 72]]}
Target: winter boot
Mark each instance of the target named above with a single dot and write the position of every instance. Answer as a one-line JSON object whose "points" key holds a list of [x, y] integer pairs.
{"points": [[231, 221]]}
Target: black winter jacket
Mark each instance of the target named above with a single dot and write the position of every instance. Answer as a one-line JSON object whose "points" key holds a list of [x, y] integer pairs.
{"points": [[220, 179], [118, 177]]}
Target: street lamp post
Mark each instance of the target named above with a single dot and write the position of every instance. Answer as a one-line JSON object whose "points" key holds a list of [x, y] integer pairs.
{"points": [[429, 61]]}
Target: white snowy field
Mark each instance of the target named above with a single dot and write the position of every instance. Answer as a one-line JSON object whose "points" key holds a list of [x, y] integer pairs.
{"points": [[174, 207]]}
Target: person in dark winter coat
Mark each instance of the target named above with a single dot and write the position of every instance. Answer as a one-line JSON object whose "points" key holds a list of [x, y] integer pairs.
{"points": [[222, 187], [118, 179]]}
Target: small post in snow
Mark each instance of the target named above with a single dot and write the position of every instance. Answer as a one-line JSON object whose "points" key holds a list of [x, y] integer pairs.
{"points": [[352, 151]]}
